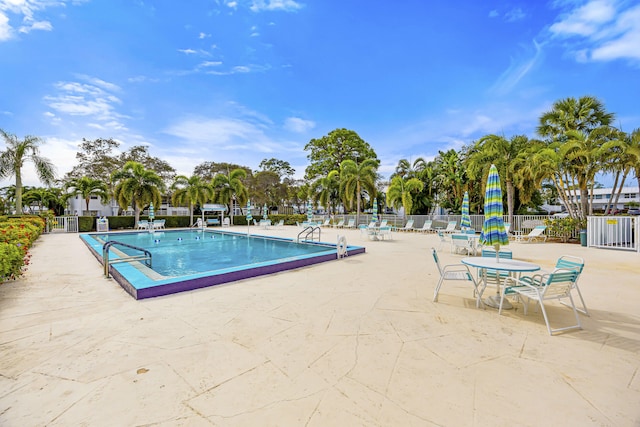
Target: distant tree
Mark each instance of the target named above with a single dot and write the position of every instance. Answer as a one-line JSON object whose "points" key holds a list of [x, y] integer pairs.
{"points": [[400, 192], [192, 191], [137, 187], [87, 187], [267, 188], [13, 158], [355, 178], [280, 167], [328, 153], [140, 154], [229, 188], [96, 160], [208, 170], [326, 190]]}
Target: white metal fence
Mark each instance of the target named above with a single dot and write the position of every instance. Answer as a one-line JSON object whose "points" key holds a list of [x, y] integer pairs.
{"points": [[614, 232], [65, 224]]}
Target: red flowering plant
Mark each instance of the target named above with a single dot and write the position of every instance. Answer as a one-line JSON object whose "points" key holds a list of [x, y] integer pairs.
{"points": [[16, 237]]}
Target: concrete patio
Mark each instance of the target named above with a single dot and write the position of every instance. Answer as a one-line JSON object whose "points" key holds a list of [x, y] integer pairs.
{"points": [[355, 342]]}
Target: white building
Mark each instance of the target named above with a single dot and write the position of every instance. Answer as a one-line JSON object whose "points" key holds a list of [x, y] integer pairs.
{"points": [[601, 198]]}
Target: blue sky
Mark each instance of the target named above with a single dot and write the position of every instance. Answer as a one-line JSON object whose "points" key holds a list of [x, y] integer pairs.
{"points": [[244, 80]]}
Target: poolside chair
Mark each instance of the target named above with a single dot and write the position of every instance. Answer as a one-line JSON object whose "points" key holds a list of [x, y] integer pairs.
{"points": [[407, 227], [142, 225], [326, 223], [573, 263], [383, 223], [535, 234], [461, 242], [459, 272], [543, 287], [493, 276], [451, 227], [280, 224], [384, 233], [351, 224], [507, 227], [159, 224], [444, 239], [340, 224], [426, 227]]}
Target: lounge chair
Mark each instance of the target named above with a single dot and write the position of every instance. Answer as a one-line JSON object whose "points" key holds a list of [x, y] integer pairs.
{"points": [[459, 272], [426, 227], [142, 225], [451, 227], [383, 223], [280, 224], [340, 224], [159, 224], [351, 224], [535, 234], [326, 223], [543, 287], [407, 227]]}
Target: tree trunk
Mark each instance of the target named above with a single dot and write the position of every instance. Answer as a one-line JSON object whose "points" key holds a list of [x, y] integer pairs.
{"points": [[510, 192], [18, 192]]}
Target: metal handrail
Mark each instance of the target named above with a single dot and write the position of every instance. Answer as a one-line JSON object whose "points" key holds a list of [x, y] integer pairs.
{"points": [[105, 255], [309, 230]]}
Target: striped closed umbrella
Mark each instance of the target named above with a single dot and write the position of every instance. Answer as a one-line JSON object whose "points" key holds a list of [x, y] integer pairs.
{"points": [[493, 231], [151, 212], [265, 211], [309, 211], [465, 221], [249, 216], [374, 217]]}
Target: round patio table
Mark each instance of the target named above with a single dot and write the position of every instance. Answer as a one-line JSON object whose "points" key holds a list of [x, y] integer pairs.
{"points": [[512, 266]]}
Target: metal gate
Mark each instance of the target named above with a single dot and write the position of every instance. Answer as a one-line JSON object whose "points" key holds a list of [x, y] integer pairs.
{"points": [[63, 224], [613, 232]]}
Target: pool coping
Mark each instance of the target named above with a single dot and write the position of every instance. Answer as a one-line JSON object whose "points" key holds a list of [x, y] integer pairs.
{"points": [[177, 285]]}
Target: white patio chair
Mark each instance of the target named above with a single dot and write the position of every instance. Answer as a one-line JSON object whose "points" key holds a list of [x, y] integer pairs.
{"points": [[459, 272], [384, 233], [426, 227], [407, 227], [142, 225], [543, 287], [574, 263], [351, 224], [451, 227], [340, 224], [461, 242], [445, 239]]}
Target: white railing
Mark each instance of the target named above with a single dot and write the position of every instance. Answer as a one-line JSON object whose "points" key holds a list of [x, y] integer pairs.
{"points": [[614, 232], [66, 224]]}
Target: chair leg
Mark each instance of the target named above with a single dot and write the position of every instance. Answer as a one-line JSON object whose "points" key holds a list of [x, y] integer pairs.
{"points": [[582, 310], [435, 292]]}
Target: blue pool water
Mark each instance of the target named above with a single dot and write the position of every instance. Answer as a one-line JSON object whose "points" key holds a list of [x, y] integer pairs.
{"points": [[190, 259]]}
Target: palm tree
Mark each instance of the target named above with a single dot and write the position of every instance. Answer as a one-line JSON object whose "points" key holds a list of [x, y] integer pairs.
{"points": [[498, 150], [43, 197], [399, 192], [137, 187], [450, 178], [326, 190], [634, 148], [193, 191], [13, 158], [229, 187], [354, 178], [86, 187]]}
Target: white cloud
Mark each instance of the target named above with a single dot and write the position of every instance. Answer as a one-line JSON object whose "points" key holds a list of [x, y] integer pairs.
{"points": [[5, 28], [91, 97], [603, 30], [514, 15], [285, 5], [36, 25], [517, 71], [187, 51], [298, 125], [494, 14]]}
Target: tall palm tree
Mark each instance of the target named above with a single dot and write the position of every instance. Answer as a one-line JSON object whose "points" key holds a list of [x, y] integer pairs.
{"points": [[498, 150], [326, 190], [86, 187], [229, 187], [400, 192], [137, 187], [451, 177], [634, 148], [43, 197], [14, 157], [193, 190], [354, 178]]}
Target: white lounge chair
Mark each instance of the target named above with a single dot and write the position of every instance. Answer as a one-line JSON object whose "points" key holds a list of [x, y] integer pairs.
{"points": [[451, 227], [142, 225], [536, 234], [340, 224], [543, 287], [459, 272], [384, 233], [383, 223], [407, 227], [280, 224], [351, 224], [326, 223], [426, 227], [159, 224], [461, 242]]}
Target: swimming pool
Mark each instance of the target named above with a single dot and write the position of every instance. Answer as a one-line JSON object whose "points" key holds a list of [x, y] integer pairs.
{"points": [[183, 260]]}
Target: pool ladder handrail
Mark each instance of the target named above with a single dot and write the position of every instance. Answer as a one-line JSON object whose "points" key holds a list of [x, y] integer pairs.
{"points": [[309, 230], [146, 257]]}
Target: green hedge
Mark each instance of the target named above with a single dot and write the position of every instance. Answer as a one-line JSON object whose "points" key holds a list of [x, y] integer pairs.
{"points": [[17, 234], [88, 223]]}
